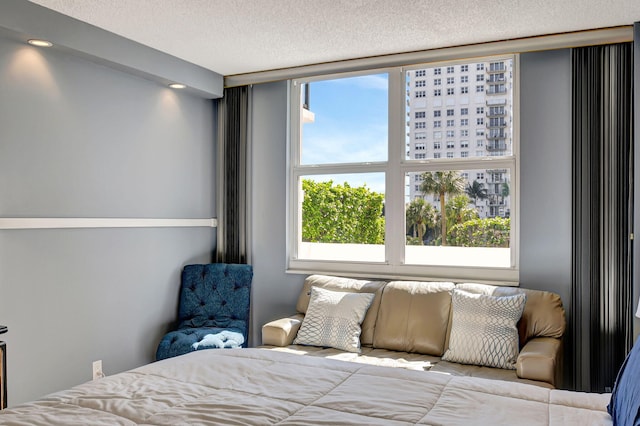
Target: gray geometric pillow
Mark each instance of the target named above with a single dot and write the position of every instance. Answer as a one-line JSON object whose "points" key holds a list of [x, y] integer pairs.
{"points": [[333, 319], [484, 329]]}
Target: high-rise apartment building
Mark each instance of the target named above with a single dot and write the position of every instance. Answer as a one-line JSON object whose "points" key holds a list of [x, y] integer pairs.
{"points": [[463, 110]]}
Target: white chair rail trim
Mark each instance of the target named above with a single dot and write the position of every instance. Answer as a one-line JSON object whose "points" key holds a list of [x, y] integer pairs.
{"points": [[62, 223]]}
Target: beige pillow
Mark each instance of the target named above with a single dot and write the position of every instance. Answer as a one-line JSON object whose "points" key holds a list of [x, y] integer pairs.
{"points": [[333, 319], [484, 329]]}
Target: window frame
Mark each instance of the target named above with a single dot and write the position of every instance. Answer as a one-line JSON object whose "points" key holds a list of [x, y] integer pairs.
{"points": [[395, 169]]}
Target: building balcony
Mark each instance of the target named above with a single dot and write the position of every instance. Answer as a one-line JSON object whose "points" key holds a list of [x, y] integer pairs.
{"points": [[496, 146], [495, 90], [493, 114], [493, 135], [495, 178], [496, 67], [496, 102], [494, 171]]}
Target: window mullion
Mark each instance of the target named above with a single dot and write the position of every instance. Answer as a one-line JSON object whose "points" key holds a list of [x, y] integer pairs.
{"points": [[394, 206]]}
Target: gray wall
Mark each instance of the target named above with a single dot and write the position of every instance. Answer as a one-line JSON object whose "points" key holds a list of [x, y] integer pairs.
{"points": [[545, 187], [545, 172], [274, 293], [79, 139]]}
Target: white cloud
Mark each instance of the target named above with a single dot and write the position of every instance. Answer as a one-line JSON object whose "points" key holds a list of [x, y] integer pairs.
{"points": [[375, 81]]}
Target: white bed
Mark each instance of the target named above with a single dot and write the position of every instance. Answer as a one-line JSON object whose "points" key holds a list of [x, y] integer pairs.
{"points": [[263, 387]]}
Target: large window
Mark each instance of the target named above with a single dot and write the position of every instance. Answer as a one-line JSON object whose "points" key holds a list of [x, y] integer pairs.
{"points": [[370, 197]]}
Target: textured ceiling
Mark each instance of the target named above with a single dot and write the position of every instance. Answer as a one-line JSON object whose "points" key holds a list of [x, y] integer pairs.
{"points": [[241, 36]]}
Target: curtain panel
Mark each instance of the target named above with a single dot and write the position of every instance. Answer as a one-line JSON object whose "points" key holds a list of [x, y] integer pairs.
{"points": [[233, 140], [601, 297]]}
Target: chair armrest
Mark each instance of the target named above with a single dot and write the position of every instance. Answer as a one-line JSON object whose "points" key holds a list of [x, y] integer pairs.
{"points": [[540, 359], [281, 332]]}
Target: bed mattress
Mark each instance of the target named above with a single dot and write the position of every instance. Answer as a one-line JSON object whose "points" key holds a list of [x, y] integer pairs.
{"points": [[263, 387]]}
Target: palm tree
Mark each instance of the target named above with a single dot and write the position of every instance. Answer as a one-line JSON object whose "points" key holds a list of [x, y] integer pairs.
{"points": [[476, 191], [505, 190], [442, 183], [458, 210], [420, 215]]}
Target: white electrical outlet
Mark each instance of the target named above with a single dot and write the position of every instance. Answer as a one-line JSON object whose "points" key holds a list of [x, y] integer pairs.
{"points": [[97, 370]]}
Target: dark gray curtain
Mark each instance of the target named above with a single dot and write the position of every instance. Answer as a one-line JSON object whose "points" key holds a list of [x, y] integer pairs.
{"points": [[233, 122], [601, 305]]}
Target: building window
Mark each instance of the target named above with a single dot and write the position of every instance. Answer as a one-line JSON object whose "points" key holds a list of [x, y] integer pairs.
{"points": [[479, 143], [479, 77], [421, 83], [479, 132], [497, 66], [497, 122], [450, 80], [450, 91], [499, 110], [479, 88], [497, 89], [480, 110], [451, 112], [497, 78], [377, 124], [437, 123], [480, 121], [464, 122], [437, 82], [464, 79], [479, 67], [464, 90]]}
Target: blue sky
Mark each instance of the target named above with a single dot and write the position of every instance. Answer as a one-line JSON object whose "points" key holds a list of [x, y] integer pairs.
{"points": [[351, 122]]}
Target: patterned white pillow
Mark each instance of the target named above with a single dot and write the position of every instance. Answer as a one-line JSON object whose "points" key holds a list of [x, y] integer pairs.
{"points": [[333, 319], [484, 329]]}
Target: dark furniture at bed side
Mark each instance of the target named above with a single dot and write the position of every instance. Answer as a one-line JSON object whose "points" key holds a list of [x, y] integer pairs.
{"points": [[3, 370], [213, 298]]}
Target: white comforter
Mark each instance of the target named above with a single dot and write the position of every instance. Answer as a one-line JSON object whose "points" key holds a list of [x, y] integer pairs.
{"points": [[262, 387]]}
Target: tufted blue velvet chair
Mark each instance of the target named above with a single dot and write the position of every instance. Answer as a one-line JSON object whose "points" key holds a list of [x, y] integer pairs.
{"points": [[213, 298]]}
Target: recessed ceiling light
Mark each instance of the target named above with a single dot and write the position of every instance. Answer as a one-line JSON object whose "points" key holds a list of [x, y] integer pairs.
{"points": [[40, 43], [177, 86]]}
